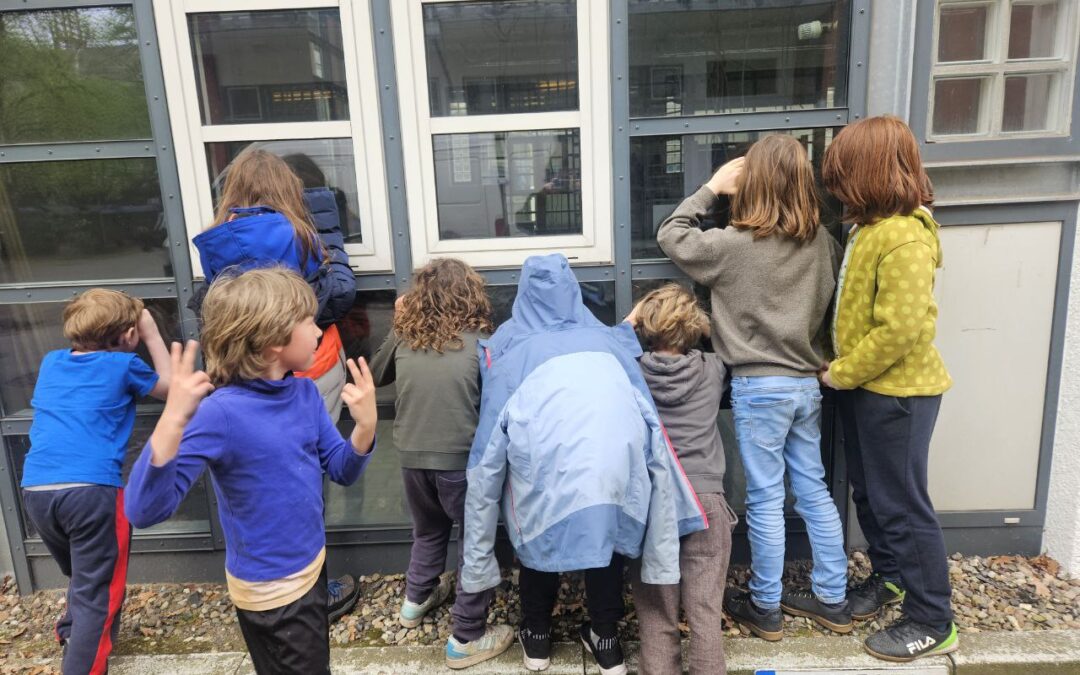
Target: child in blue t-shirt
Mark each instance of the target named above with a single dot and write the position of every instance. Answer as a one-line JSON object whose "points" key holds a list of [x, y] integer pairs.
{"points": [[84, 411]]}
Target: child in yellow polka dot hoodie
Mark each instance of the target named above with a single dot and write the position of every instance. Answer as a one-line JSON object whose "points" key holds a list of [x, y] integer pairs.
{"points": [[891, 379]]}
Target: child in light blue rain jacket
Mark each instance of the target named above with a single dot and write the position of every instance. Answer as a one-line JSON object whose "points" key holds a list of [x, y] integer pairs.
{"points": [[571, 453]]}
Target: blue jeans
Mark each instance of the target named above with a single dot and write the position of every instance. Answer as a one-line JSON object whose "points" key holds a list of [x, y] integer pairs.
{"points": [[777, 423]]}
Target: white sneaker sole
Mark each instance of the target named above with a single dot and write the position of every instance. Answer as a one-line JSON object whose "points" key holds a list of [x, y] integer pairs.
{"points": [[617, 670], [536, 665]]}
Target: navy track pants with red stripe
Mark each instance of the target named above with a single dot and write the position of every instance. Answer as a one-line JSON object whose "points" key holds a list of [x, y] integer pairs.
{"points": [[89, 537]]}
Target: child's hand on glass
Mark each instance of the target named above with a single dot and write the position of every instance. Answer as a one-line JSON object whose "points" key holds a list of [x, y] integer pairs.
{"points": [[726, 179], [146, 326], [359, 396], [632, 317]]}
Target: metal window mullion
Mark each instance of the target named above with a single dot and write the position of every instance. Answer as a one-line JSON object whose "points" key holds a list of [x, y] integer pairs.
{"points": [[858, 59], [622, 251], [394, 153], [58, 152], [9, 503], [168, 179]]}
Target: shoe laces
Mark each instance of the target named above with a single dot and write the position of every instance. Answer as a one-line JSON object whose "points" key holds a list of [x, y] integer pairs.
{"points": [[873, 581], [802, 593]]}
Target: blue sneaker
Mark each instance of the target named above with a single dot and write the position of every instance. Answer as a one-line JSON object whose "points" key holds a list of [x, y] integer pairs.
{"points": [[341, 595], [495, 641], [412, 613]]}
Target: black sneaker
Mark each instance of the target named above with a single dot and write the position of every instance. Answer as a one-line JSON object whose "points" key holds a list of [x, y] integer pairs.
{"points": [[341, 595], [867, 598], [907, 640], [767, 624], [537, 648], [805, 603], [606, 650]]}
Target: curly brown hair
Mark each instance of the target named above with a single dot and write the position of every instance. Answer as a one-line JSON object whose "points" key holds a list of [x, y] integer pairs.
{"points": [[670, 318], [446, 300]]}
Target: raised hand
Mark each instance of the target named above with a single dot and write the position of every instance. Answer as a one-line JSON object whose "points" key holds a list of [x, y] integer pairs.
{"points": [[146, 325], [359, 396], [188, 386], [187, 389], [726, 179]]}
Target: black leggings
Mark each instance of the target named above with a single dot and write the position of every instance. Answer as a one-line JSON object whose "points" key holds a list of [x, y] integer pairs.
{"points": [[603, 597]]}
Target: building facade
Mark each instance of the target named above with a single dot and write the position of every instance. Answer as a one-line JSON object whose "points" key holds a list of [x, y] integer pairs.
{"points": [[494, 129]]}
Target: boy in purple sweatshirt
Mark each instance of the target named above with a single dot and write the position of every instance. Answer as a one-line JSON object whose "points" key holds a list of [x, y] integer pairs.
{"points": [[267, 439]]}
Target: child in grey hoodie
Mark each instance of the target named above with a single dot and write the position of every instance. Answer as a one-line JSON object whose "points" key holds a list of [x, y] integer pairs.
{"points": [[686, 385]]}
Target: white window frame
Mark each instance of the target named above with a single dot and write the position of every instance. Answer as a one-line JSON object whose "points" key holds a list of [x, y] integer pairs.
{"points": [[363, 129], [996, 66], [593, 119]]}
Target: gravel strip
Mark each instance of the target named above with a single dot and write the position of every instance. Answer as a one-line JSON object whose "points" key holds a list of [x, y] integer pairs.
{"points": [[1009, 593]]}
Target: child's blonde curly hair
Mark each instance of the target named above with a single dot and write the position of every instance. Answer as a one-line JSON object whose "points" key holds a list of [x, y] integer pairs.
{"points": [[670, 318]]}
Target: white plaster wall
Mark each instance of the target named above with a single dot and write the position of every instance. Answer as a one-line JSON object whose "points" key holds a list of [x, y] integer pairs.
{"points": [[1061, 538]]}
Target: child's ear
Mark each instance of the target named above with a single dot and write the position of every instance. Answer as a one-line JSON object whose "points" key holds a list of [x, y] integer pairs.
{"points": [[272, 354], [129, 339]]}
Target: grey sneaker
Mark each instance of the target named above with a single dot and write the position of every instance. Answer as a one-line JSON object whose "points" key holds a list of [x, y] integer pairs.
{"points": [[495, 640], [412, 613], [907, 640]]}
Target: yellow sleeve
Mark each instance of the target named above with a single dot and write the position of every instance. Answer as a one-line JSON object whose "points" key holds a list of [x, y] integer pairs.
{"points": [[900, 309]]}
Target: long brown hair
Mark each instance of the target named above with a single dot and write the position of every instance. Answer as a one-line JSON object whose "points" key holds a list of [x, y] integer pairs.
{"points": [[873, 167], [261, 178], [447, 299], [776, 193]]}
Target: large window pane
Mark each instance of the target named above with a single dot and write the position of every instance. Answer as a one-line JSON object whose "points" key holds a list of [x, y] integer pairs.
{"points": [[71, 75], [715, 56], [508, 184], [1033, 30], [666, 169], [598, 296], [325, 162], [28, 332], [1027, 102], [958, 106], [962, 33], [516, 56], [81, 220], [193, 516], [275, 66]]}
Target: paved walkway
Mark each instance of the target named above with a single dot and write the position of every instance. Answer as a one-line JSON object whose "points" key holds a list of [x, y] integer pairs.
{"points": [[1005, 653]]}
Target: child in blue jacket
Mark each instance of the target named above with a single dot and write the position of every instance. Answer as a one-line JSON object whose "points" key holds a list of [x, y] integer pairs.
{"points": [[267, 440], [570, 450]]}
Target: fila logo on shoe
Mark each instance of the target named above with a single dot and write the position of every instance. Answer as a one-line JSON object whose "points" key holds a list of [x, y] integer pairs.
{"points": [[920, 645]]}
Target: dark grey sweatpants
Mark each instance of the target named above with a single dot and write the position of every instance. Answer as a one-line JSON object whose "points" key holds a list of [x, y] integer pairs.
{"points": [[436, 501], [887, 447]]}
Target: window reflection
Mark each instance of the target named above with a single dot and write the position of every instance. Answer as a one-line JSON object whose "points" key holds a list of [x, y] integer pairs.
{"points": [[516, 56], [71, 75], [666, 169], [270, 66], [325, 162], [82, 220], [715, 56], [508, 184]]}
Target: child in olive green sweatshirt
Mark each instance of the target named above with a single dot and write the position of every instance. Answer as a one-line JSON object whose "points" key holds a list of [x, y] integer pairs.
{"points": [[891, 379]]}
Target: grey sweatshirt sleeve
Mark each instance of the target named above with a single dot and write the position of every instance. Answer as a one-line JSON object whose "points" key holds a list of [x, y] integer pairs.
{"points": [[382, 364], [697, 252]]}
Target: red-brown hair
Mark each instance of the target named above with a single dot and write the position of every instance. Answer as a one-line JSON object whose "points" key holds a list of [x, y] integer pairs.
{"points": [[873, 167]]}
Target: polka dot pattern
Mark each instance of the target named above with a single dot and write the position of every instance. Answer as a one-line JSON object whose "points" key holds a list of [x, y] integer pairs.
{"points": [[886, 315]]}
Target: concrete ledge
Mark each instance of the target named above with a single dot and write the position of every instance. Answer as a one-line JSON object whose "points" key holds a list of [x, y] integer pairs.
{"points": [[999, 653]]}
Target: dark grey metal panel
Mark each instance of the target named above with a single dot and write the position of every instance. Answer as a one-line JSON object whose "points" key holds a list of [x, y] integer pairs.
{"points": [[6, 5], [10, 503], [53, 152], [17, 293], [727, 122], [976, 150], [374, 282]]}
